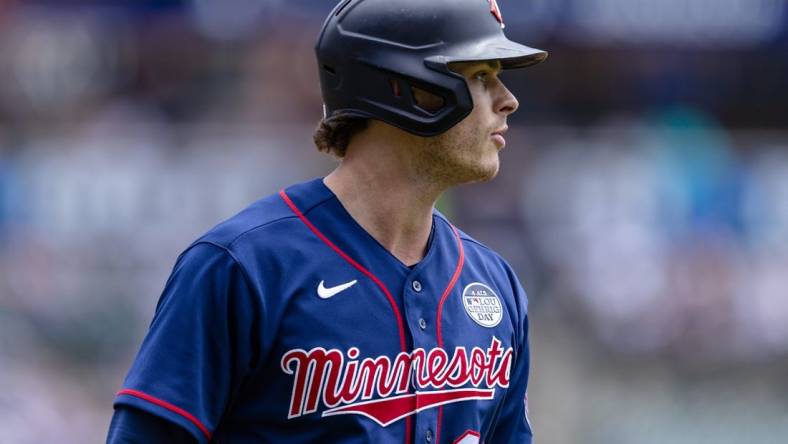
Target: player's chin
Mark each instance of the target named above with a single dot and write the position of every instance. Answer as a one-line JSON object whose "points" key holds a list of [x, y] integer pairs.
{"points": [[484, 171], [490, 174]]}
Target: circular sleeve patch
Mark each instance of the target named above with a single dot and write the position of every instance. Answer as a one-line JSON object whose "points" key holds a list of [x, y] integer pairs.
{"points": [[482, 304]]}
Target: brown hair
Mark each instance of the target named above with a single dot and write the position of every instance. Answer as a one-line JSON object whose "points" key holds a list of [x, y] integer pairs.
{"points": [[333, 135]]}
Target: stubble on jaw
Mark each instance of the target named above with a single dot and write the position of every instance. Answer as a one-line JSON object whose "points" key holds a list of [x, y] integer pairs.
{"points": [[455, 157]]}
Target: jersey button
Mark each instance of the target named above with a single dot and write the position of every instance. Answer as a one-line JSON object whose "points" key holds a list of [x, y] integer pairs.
{"points": [[422, 324], [416, 286], [428, 436]]}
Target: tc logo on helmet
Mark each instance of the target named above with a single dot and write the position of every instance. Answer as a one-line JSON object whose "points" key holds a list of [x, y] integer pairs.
{"points": [[496, 12]]}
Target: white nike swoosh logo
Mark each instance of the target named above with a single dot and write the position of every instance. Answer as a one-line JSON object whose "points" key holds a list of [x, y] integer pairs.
{"points": [[326, 293]]}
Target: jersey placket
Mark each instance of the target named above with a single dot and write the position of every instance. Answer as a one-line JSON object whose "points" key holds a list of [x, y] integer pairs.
{"points": [[425, 288], [420, 301]]}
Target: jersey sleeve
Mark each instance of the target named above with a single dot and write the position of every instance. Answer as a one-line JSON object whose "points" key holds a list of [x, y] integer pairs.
{"points": [[201, 344], [513, 425], [132, 426]]}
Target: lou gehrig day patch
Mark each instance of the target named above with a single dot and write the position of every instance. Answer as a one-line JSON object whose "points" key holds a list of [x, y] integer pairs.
{"points": [[482, 304]]}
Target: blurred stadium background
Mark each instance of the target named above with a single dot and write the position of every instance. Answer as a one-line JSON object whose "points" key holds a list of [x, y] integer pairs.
{"points": [[643, 199]]}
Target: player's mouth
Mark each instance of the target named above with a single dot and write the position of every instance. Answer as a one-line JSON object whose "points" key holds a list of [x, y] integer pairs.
{"points": [[498, 138]]}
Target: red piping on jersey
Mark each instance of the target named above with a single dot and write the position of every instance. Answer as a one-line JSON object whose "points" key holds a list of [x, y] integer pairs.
{"points": [[452, 282], [352, 262], [366, 273], [467, 433], [168, 406], [438, 427]]}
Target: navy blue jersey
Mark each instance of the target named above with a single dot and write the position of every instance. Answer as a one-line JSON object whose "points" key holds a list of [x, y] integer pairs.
{"points": [[290, 323]]}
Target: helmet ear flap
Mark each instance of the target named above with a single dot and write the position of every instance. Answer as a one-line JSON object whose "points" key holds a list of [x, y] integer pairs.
{"points": [[420, 98], [427, 101], [395, 88], [423, 101]]}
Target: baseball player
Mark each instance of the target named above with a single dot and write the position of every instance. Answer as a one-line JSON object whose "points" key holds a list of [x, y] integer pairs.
{"points": [[347, 309]]}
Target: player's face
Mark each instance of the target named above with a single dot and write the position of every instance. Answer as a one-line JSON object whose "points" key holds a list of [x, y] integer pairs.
{"points": [[468, 152]]}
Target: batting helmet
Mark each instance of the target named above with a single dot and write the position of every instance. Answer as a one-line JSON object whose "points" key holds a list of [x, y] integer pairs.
{"points": [[372, 53]]}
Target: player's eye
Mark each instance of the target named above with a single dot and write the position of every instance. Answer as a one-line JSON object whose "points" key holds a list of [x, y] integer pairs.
{"points": [[482, 76]]}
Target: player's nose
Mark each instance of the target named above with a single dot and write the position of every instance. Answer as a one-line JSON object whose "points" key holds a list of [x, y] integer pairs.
{"points": [[507, 102]]}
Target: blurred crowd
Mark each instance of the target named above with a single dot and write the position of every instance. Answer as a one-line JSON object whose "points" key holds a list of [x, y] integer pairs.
{"points": [[642, 198]]}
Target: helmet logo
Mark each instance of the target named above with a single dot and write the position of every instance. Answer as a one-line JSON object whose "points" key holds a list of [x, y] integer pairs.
{"points": [[496, 12]]}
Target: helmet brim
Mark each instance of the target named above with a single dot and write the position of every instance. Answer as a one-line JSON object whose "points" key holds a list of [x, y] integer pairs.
{"points": [[512, 55]]}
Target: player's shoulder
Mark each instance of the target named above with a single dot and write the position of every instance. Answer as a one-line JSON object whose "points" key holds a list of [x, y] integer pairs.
{"points": [[267, 222]]}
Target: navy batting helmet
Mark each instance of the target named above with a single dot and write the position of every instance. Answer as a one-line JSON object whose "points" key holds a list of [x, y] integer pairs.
{"points": [[372, 53]]}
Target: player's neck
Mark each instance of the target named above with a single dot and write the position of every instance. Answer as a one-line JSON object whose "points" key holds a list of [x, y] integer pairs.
{"points": [[388, 202]]}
